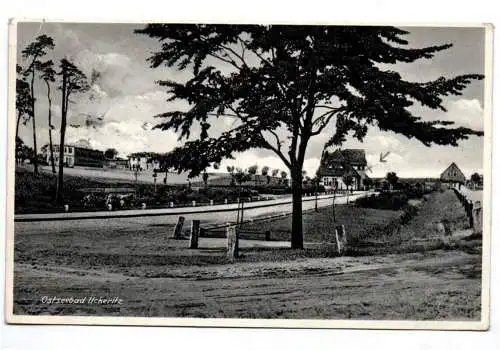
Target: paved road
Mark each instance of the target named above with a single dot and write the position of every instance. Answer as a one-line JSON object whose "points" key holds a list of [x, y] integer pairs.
{"points": [[136, 223]]}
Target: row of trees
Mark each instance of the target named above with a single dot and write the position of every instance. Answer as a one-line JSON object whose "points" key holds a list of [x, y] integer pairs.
{"points": [[69, 79]]}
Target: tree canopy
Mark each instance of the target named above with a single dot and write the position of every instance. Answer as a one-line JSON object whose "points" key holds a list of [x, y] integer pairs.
{"points": [[279, 76], [284, 84]]}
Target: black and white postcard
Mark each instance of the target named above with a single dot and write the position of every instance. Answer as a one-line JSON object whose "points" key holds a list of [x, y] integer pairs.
{"points": [[249, 175]]}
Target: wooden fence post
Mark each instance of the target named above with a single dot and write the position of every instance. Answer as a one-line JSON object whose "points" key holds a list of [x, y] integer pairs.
{"points": [[341, 238], [178, 228], [195, 232], [232, 243]]}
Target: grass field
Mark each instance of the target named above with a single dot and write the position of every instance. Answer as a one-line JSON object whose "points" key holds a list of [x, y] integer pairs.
{"points": [[36, 194], [159, 276]]}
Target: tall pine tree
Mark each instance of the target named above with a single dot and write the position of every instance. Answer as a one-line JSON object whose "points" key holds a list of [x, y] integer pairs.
{"points": [[33, 52], [298, 81], [73, 80]]}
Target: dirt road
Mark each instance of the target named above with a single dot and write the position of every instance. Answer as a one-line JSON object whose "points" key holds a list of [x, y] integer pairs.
{"points": [[425, 286]]}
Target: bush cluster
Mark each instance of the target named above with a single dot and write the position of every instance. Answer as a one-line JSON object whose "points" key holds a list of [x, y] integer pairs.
{"points": [[385, 200]]}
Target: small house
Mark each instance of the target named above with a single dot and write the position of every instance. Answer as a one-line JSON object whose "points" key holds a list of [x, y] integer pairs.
{"points": [[453, 176]]}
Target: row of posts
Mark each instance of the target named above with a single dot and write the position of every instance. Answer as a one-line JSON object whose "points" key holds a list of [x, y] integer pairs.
{"points": [[172, 205], [196, 231], [233, 237], [193, 203], [474, 212]]}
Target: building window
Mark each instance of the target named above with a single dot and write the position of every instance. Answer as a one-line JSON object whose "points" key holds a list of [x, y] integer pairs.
{"points": [[70, 150]]}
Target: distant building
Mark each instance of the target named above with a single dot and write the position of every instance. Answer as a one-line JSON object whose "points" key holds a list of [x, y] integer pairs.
{"points": [[453, 176], [117, 163], [143, 161], [335, 166], [76, 156]]}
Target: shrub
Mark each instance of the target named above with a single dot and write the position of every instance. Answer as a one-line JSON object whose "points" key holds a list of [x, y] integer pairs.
{"points": [[386, 200], [409, 211]]}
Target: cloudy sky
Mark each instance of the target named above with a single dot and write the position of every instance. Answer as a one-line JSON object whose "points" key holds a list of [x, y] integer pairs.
{"points": [[126, 98]]}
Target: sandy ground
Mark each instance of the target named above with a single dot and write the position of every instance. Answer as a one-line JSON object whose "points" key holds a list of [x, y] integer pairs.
{"points": [[155, 275], [421, 286]]}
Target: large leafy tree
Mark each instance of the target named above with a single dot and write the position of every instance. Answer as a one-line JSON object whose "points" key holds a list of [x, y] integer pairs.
{"points": [[73, 80], [284, 85], [33, 53], [47, 74]]}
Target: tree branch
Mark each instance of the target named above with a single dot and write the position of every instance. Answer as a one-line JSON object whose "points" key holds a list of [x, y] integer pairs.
{"points": [[277, 149]]}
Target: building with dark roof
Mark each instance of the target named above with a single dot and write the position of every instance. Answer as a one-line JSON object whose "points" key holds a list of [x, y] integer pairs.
{"points": [[453, 175], [337, 166], [75, 156]]}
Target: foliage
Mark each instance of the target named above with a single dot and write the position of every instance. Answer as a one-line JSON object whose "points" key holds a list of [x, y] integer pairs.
{"points": [[392, 178], [348, 178], [265, 171], [23, 152], [252, 170], [23, 99], [33, 52], [475, 178], [289, 83], [73, 80], [385, 200], [110, 153]]}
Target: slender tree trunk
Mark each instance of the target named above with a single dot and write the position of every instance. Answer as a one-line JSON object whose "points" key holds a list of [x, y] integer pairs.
{"points": [[35, 159], [17, 124], [17, 136], [50, 129], [297, 235], [60, 177]]}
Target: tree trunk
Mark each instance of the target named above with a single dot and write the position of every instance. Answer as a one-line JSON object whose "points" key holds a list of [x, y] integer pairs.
{"points": [[17, 124], [35, 159], [17, 136], [60, 177], [50, 129], [297, 236]]}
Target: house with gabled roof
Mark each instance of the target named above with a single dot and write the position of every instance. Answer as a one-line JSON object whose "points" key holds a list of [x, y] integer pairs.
{"points": [[336, 166], [453, 175]]}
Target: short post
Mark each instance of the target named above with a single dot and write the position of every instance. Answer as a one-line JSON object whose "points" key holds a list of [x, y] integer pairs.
{"points": [[268, 235], [143, 205], [225, 201], [66, 208], [194, 203], [178, 228], [211, 202], [110, 206], [171, 204], [232, 243], [340, 238], [195, 232]]}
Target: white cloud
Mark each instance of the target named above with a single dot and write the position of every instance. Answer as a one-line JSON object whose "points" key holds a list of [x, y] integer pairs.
{"points": [[467, 113]]}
